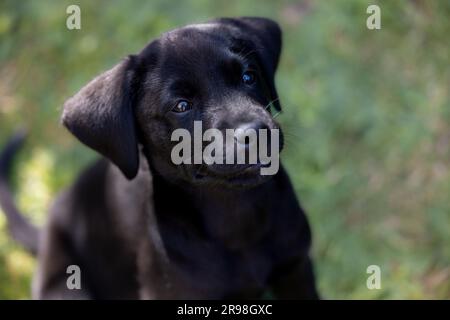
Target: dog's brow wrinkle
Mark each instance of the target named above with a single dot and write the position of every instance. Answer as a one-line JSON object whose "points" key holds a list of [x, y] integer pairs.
{"points": [[246, 55]]}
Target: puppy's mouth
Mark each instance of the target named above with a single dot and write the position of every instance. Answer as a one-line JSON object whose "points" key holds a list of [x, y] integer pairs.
{"points": [[246, 174], [225, 171]]}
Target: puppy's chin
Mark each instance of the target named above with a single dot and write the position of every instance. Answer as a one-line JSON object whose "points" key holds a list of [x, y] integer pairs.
{"points": [[204, 176], [233, 177]]}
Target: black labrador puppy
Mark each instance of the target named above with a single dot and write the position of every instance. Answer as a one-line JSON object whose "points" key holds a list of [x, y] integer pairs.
{"points": [[139, 226]]}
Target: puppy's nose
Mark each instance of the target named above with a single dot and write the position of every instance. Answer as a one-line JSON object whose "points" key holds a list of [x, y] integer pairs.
{"points": [[244, 135]]}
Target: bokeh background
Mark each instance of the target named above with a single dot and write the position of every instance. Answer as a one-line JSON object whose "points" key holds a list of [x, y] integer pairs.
{"points": [[366, 115]]}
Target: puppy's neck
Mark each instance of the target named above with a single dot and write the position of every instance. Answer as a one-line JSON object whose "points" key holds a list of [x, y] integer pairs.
{"points": [[235, 218]]}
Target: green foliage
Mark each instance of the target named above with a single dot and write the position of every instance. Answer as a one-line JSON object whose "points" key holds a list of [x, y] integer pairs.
{"points": [[366, 117]]}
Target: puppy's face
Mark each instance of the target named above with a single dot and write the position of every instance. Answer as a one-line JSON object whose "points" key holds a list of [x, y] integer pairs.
{"points": [[202, 75], [220, 73]]}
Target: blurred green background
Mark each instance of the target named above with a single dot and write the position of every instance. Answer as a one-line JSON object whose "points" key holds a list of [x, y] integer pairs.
{"points": [[366, 115]]}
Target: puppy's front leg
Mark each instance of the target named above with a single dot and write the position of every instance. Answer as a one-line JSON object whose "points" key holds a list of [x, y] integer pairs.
{"points": [[50, 282], [294, 280]]}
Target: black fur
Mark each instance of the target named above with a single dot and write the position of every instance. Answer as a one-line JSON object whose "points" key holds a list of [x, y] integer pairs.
{"points": [[151, 229]]}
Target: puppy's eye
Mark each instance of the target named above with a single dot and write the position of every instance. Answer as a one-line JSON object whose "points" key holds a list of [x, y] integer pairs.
{"points": [[248, 78], [182, 106]]}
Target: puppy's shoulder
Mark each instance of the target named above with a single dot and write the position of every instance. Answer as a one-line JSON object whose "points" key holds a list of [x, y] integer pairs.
{"points": [[81, 200]]}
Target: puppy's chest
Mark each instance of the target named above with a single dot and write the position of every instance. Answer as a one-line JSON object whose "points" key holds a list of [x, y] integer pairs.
{"points": [[205, 268], [215, 248]]}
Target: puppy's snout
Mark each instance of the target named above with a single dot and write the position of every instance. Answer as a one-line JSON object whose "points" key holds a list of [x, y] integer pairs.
{"points": [[244, 132]]}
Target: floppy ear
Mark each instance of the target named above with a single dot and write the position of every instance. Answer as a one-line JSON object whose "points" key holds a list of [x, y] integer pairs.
{"points": [[101, 116], [265, 35]]}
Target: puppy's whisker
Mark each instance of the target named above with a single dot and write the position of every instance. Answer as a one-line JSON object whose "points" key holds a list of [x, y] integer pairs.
{"points": [[276, 114], [270, 103]]}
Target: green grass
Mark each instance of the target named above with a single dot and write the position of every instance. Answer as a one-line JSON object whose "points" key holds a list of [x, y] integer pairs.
{"points": [[366, 117]]}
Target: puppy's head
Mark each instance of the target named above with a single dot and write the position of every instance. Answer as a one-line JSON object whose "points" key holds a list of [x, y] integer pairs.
{"points": [[220, 73]]}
